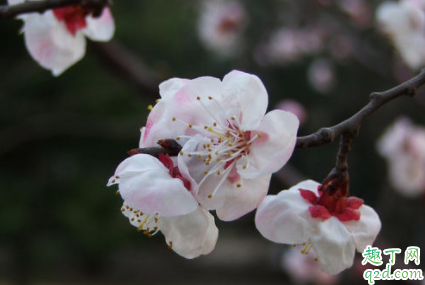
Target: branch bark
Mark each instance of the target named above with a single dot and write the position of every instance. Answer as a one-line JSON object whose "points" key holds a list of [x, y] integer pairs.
{"points": [[351, 126], [11, 11]]}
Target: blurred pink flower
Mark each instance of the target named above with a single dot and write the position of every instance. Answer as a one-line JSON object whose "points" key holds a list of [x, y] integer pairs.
{"points": [[332, 224], [403, 145], [321, 75], [221, 26], [304, 268], [56, 38], [293, 107], [358, 10], [404, 23]]}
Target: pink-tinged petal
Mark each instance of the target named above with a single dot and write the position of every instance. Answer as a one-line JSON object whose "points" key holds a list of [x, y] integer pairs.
{"points": [[242, 200], [100, 29], [364, 231], [333, 245], [184, 109], [285, 218], [271, 152], [245, 97], [318, 211], [310, 196], [145, 184], [50, 44], [191, 235], [354, 202], [170, 87], [348, 215]]}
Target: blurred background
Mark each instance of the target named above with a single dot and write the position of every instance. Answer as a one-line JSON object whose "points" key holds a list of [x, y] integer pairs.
{"points": [[62, 138]]}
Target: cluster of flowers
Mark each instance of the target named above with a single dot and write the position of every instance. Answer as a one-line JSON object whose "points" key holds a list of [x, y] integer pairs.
{"points": [[56, 38], [403, 145], [404, 23], [229, 149]]}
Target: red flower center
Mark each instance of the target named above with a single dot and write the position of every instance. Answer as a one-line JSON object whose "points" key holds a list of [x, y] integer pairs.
{"points": [[334, 204], [174, 170], [74, 18]]}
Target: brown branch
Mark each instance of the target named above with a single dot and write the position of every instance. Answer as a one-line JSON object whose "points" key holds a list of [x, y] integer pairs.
{"points": [[129, 66], [351, 126], [10, 11]]}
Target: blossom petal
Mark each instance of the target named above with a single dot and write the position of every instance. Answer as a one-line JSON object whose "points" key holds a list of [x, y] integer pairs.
{"points": [[100, 29], [191, 235], [271, 152], [245, 97], [242, 200], [285, 218], [170, 87], [50, 44], [145, 184], [333, 245], [365, 230]]}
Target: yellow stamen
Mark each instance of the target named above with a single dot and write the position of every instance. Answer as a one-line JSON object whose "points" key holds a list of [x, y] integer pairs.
{"points": [[218, 134]]}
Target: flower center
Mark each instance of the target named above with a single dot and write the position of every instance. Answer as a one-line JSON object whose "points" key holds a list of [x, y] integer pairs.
{"points": [[224, 143], [74, 18], [332, 204], [174, 170]]}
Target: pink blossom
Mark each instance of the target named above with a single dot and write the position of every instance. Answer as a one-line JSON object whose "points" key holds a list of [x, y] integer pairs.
{"points": [[230, 146], [403, 145], [56, 38], [331, 223], [221, 26]]}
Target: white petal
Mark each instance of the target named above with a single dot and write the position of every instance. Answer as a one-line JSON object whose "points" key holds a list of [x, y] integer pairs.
{"points": [[245, 97], [191, 235], [365, 230], [333, 245], [145, 184], [242, 200], [170, 87], [100, 29], [285, 218], [50, 43], [271, 152]]}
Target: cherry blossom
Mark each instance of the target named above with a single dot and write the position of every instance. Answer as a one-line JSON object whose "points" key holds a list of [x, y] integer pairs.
{"points": [[157, 198], [221, 26], [56, 38], [404, 23], [403, 145], [230, 146], [327, 221], [293, 107], [321, 75]]}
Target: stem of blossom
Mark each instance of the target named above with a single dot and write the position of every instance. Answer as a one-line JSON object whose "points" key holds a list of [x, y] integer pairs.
{"points": [[11, 11], [168, 146], [352, 125], [129, 66]]}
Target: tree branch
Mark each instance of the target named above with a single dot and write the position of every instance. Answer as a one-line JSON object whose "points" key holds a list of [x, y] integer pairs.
{"points": [[352, 125], [10, 11]]}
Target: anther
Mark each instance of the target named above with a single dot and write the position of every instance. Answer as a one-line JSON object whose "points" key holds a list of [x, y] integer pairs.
{"points": [[238, 185], [198, 98], [170, 245], [205, 172], [190, 126], [218, 172], [209, 97], [174, 118], [181, 152], [150, 107], [259, 135], [244, 167], [113, 181], [210, 196], [117, 193], [178, 138]]}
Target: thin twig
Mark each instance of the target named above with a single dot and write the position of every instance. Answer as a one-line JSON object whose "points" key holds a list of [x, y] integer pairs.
{"points": [[10, 11], [352, 125]]}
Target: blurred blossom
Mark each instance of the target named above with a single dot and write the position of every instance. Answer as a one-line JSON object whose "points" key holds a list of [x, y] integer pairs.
{"points": [[293, 107], [303, 268], [289, 44], [403, 145], [56, 39], [358, 10], [404, 23], [221, 26], [321, 75], [341, 47]]}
